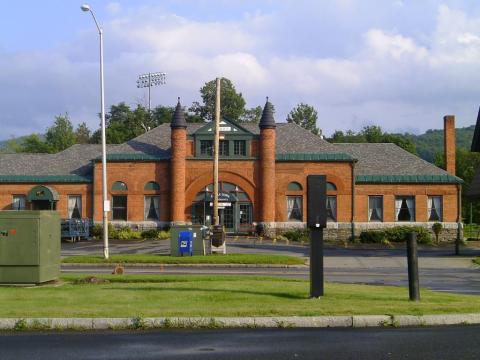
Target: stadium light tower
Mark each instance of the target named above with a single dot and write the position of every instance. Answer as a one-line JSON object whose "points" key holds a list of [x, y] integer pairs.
{"points": [[106, 203], [149, 80]]}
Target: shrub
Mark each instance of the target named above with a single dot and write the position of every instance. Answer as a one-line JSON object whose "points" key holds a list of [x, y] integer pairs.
{"points": [[372, 236], [150, 234], [97, 231], [281, 238], [126, 233], [437, 229], [400, 234], [164, 234], [297, 235]]}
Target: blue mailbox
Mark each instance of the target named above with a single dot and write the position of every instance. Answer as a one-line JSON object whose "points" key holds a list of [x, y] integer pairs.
{"points": [[185, 242]]}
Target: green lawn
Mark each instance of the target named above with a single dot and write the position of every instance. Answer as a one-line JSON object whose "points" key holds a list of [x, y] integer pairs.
{"points": [[477, 260], [189, 295], [197, 259]]}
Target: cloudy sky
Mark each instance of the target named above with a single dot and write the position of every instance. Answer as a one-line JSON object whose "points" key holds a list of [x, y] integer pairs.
{"points": [[399, 64]]}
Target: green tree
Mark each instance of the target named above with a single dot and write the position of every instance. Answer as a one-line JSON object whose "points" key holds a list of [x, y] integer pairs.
{"points": [[252, 115], [34, 144], [232, 104], [306, 116], [60, 135], [82, 134]]}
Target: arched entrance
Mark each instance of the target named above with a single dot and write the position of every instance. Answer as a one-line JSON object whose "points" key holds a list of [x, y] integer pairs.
{"points": [[235, 207], [43, 198]]}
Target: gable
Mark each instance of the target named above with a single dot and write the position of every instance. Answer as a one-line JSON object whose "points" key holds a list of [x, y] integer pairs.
{"points": [[227, 127]]}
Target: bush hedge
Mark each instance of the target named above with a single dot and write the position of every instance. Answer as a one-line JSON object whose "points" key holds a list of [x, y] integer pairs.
{"points": [[297, 235], [396, 234]]}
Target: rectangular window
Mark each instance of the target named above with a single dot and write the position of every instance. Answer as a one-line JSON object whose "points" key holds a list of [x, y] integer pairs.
{"points": [[375, 208], [18, 202], [74, 207], [245, 214], [331, 208], [405, 208], [152, 208], [119, 207], [294, 208], [223, 147], [206, 147], [435, 208], [239, 147]]}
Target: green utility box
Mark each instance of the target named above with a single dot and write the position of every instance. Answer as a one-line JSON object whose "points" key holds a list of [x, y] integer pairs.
{"points": [[198, 234], [29, 246]]}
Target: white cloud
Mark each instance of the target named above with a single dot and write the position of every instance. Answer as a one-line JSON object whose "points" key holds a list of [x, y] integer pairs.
{"points": [[393, 79]]}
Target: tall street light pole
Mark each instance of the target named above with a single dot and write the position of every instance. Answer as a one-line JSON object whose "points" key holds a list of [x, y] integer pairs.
{"points": [[106, 203]]}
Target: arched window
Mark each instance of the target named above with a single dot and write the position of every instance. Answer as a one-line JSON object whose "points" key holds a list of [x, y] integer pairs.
{"points": [[331, 186], [119, 186], [151, 185], [294, 186]]}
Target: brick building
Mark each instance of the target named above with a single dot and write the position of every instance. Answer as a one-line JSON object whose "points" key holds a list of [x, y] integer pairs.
{"points": [[165, 176]]}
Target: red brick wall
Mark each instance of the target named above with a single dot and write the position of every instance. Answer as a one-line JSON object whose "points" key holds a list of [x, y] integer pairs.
{"points": [[135, 175], [64, 190], [420, 191], [339, 174]]}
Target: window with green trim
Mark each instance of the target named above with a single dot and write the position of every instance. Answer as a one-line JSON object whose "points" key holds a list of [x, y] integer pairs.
{"points": [[239, 147], [119, 186], [206, 147], [294, 186], [224, 150], [151, 185]]}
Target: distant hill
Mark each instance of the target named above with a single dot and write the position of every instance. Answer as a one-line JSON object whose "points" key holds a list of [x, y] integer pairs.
{"points": [[431, 142]]}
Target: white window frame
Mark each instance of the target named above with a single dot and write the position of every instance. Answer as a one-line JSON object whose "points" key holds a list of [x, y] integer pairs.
{"points": [[146, 208], [438, 207], [22, 204], [71, 207], [334, 209], [370, 210], [290, 206], [412, 209]]}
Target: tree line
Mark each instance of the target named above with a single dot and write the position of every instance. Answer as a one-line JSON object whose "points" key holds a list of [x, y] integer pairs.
{"points": [[122, 123]]}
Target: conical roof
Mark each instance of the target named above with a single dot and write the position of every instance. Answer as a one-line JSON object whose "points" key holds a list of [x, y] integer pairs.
{"points": [[178, 118], [267, 121]]}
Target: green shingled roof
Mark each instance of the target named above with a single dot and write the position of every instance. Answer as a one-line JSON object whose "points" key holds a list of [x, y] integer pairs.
{"points": [[134, 157], [418, 179], [44, 179], [315, 157]]}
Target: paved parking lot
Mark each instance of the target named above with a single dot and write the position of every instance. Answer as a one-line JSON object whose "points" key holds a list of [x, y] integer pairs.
{"points": [[439, 268]]}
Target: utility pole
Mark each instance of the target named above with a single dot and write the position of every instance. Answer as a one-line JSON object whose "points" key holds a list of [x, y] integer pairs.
{"points": [[216, 147]]}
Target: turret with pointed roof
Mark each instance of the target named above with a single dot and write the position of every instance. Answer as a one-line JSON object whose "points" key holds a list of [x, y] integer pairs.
{"points": [[267, 121], [178, 118]]}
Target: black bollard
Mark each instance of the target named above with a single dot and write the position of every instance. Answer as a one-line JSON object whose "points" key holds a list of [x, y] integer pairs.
{"points": [[412, 258], [316, 262]]}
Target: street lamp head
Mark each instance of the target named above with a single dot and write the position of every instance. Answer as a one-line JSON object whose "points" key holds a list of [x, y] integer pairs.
{"points": [[85, 7]]}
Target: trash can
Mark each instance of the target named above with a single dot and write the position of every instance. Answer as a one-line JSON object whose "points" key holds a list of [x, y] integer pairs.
{"points": [[184, 232], [29, 246]]}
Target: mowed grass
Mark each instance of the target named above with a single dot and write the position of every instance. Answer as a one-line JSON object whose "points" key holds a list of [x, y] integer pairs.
{"points": [[163, 295], [196, 259]]}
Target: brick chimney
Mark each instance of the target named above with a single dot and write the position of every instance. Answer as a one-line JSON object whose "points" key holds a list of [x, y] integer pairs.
{"points": [[449, 143]]}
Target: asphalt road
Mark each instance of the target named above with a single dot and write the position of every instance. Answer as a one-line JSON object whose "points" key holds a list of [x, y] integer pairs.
{"points": [[439, 269], [375, 343]]}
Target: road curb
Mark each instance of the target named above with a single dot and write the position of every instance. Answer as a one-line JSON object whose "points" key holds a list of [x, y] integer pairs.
{"points": [[138, 323], [149, 265]]}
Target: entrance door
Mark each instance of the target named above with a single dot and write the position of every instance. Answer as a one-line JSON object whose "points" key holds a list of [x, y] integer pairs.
{"points": [[43, 205], [227, 218]]}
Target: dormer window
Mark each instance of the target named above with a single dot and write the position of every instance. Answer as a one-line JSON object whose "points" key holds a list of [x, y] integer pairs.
{"points": [[224, 151], [239, 147], [206, 147]]}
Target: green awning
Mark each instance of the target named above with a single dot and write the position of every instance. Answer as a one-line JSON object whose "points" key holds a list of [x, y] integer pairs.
{"points": [[315, 157], [410, 179], [42, 192]]}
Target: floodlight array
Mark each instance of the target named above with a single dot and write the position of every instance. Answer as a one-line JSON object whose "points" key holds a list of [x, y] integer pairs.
{"points": [[152, 79]]}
